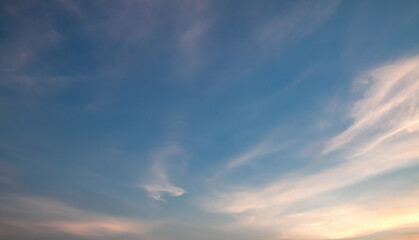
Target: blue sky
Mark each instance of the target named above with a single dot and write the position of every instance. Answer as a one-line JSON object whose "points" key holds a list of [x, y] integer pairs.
{"points": [[178, 120]]}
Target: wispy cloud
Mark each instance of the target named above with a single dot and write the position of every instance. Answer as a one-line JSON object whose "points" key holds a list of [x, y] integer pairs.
{"points": [[386, 130], [286, 192], [301, 19], [130, 22], [269, 145], [159, 183], [190, 44], [389, 107], [260, 150], [340, 221], [28, 40], [27, 36], [8, 174], [192, 25], [33, 216]]}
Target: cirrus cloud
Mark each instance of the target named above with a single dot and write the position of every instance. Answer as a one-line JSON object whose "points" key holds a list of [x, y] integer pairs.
{"points": [[383, 138]]}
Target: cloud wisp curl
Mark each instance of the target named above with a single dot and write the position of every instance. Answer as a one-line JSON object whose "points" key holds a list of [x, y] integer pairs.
{"points": [[159, 183]]}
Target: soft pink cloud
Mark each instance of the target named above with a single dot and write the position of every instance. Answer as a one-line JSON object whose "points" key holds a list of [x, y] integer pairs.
{"points": [[39, 216]]}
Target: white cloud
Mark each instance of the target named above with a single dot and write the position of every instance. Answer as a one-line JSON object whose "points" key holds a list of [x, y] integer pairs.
{"points": [[159, 183], [340, 221], [389, 107], [384, 137]]}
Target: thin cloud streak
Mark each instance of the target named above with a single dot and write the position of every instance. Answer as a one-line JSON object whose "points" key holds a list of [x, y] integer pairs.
{"points": [[302, 18], [33, 216], [193, 25], [258, 151], [269, 145]]}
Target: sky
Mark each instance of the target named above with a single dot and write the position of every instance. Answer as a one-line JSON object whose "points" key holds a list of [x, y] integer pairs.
{"points": [[229, 120]]}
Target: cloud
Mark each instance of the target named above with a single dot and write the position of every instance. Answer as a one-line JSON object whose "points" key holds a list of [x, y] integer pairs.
{"points": [[28, 39], [286, 192], [267, 146], [383, 138], [129, 22], [389, 107], [407, 233], [8, 174], [27, 36], [33, 216], [159, 183], [261, 149], [190, 44], [301, 19], [191, 25], [345, 220]]}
